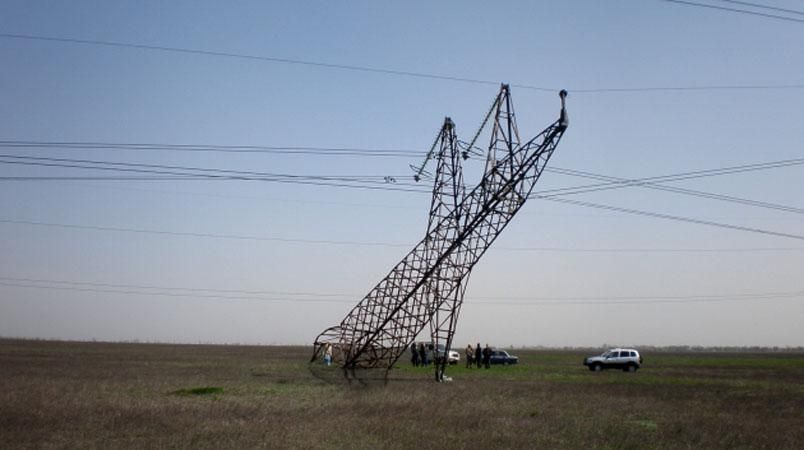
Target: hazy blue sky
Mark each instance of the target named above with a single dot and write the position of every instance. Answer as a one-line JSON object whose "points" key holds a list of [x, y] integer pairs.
{"points": [[559, 275]]}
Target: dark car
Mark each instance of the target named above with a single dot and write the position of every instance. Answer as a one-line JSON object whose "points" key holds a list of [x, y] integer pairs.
{"points": [[502, 357]]}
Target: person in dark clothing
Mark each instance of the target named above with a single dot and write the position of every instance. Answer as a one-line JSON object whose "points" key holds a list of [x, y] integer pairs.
{"points": [[414, 358], [478, 355], [487, 356], [423, 354]]}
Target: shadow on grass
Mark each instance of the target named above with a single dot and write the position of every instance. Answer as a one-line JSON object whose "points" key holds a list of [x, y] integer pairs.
{"points": [[207, 390]]}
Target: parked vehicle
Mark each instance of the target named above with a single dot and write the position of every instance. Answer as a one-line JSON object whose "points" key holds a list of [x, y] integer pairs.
{"points": [[626, 359], [502, 357], [453, 357]]}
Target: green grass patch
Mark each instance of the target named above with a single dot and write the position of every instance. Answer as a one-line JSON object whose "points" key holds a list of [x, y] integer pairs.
{"points": [[646, 424], [206, 390]]}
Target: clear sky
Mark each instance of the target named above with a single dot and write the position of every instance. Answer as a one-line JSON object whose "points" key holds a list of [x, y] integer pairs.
{"points": [[272, 262]]}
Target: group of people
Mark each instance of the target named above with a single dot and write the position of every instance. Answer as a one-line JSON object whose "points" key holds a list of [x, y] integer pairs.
{"points": [[421, 356], [477, 356]]}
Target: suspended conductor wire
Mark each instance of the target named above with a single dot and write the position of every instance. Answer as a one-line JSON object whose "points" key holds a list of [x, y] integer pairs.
{"points": [[735, 10], [672, 217], [115, 44], [129, 289], [757, 5]]}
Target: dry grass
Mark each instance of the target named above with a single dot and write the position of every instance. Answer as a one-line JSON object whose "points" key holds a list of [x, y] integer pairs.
{"points": [[89, 395]]}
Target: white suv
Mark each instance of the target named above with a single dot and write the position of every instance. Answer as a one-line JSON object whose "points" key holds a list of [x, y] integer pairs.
{"points": [[436, 354], [453, 357], [627, 359]]}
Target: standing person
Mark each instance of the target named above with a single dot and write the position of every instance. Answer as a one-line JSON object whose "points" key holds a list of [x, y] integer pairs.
{"points": [[328, 354], [469, 352], [414, 358], [478, 355], [487, 356], [423, 354]]}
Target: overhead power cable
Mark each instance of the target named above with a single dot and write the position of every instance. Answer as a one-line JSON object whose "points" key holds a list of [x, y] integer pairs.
{"points": [[272, 59], [352, 295], [173, 288], [547, 195], [736, 10], [100, 178], [664, 178], [366, 69], [768, 7], [354, 184], [203, 170], [388, 244], [308, 298], [400, 153], [672, 217], [203, 148], [683, 191], [610, 182], [201, 235]]}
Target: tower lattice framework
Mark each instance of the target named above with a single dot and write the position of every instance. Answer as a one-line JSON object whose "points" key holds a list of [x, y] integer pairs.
{"points": [[427, 286]]}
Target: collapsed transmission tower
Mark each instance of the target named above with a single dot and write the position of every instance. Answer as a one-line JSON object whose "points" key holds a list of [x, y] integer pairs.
{"points": [[428, 285]]}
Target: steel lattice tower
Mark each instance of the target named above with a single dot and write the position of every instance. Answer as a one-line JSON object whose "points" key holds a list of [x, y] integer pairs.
{"points": [[428, 285]]}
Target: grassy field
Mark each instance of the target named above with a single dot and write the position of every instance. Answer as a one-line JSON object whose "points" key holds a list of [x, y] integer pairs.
{"points": [[87, 395]]}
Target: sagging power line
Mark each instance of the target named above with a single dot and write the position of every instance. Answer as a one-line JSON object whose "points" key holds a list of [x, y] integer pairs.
{"points": [[379, 180], [542, 195], [212, 148], [741, 11], [317, 297], [238, 237], [768, 7], [382, 71]]}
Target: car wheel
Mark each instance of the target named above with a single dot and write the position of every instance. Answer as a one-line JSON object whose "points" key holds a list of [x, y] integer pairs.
{"points": [[631, 368], [596, 367]]}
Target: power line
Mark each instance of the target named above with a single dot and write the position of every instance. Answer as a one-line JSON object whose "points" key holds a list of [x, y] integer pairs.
{"points": [[259, 149], [683, 191], [651, 250], [611, 182], [365, 69], [171, 288], [542, 195], [735, 10], [171, 294], [352, 295], [402, 154], [672, 217], [96, 178], [757, 5], [263, 58], [201, 235], [664, 178], [126, 289], [267, 175], [355, 184], [402, 245]]}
